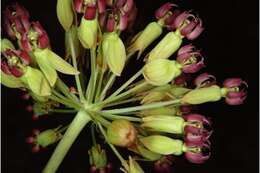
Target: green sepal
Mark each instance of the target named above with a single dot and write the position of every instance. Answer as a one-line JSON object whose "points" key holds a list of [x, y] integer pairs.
{"points": [[163, 145], [134, 167], [36, 81], [65, 13], [45, 66], [148, 154], [6, 44], [11, 81], [87, 32]]}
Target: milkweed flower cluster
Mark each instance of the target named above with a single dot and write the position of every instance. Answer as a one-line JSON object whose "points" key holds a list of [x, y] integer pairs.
{"points": [[161, 122]]}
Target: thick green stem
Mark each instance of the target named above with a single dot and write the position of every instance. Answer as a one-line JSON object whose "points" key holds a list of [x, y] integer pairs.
{"points": [[142, 107], [74, 129], [74, 61]]}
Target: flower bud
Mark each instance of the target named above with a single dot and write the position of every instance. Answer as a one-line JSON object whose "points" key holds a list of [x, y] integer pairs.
{"points": [[202, 95], [163, 145], [161, 71], [65, 13], [36, 81], [141, 41], [134, 167], [49, 62], [98, 157], [166, 47], [48, 137], [179, 91], [164, 123], [6, 44], [155, 96], [204, 80], [121, 133], [87, 32], [114, 52]]}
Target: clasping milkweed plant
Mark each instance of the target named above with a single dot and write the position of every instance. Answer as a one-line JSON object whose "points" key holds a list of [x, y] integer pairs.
{"points": [[151, 114]]}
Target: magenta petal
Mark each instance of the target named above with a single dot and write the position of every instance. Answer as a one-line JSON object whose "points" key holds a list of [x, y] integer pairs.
{"points": [[5, 68], [186, 49], [43, 41], [235, 101], [120, 3], [102, 19], [21, 11], [90, 12], [16, 72], [25, 57], [123, 22], [197, 118], [189, 27], [101, 6], [110, 24], [161, 12], [205, 80], [128, 6], [78, 5], [38, 28], [195, 33], [25, 22], [180, 19], [131, 18], [232, 82], [25, 44], [197, 158], [236, 94]]}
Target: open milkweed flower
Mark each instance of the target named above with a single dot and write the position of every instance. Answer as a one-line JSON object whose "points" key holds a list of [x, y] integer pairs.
{"points": [[190, 59], [204, 80], [16, 21], [161, 71], [235, 91], [113, 50], [121, 133]]}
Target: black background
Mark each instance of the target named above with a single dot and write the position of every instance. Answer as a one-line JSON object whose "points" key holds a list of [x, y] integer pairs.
{"points": [[230, 45]]}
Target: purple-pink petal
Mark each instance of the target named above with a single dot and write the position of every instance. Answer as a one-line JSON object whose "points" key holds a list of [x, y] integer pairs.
{"points": [[25, 44], [24, 56], [90, 12], [5, 68], [180, 19], [101, 6], [235, 101], [16, 72], [78, 5], [162, 11], [197, 158], [205, 80], [232, 82], [110, 24], [123, 22], [195, 33], [186, 49]]}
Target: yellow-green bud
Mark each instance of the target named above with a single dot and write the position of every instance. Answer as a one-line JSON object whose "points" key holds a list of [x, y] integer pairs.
{"points": [[65, 13], [159, 111], [134, 167], [87, 32], [166, 47], [121, 133], [202, 95], [151, 32], [164, 123], [6, 44], [48, 137], [163, 145], [97, 156], [114, 52], [179, 91], [154, 96], [161, 71], [147, 153]]}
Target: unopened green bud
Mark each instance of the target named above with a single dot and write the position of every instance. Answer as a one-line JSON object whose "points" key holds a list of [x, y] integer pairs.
{"points": [[87, 32], [179, 91], [121, 133], [159, 111], [166, 47], [36, 81], [49, 62], [65, 13], [163, 145], [147, 153], [164, 123], [134, 167], [161, 71], [151, 32], [97, 156], [48, 137], [11, 81], [154, 97], [113, 50], [202, 95], [6, 44]]}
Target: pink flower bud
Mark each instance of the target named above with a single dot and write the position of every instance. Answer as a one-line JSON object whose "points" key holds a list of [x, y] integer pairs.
{"points": [[197, 153]]}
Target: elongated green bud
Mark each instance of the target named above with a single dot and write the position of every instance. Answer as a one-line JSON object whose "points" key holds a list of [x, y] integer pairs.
{"points": [[87, 32], [202, 95], [161, 71], [163, 145], [65, 13], [164, 123], [147, 153], [113, 50], [48, 137], [121, 133], [6, 44], [151, 32], [166, 47]]}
